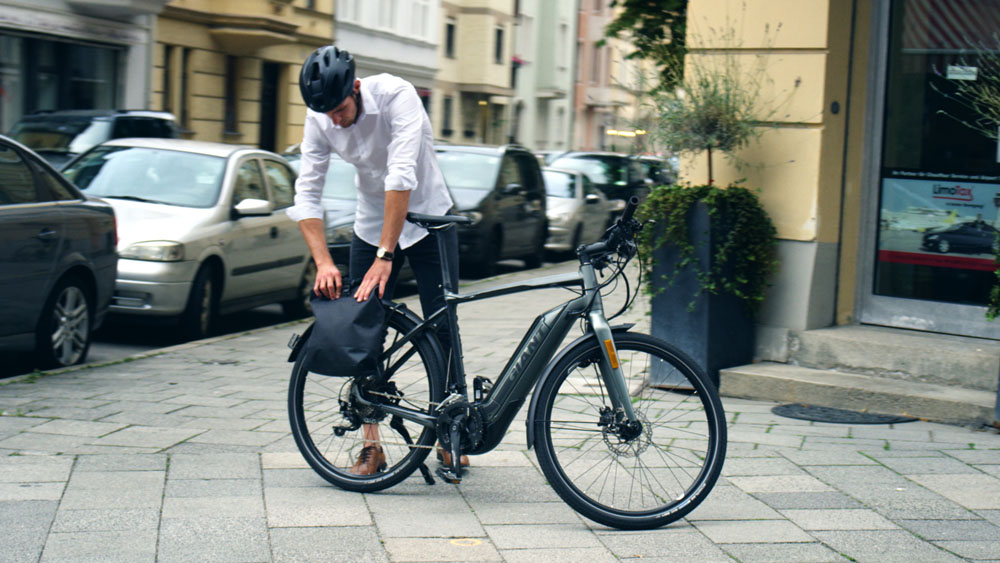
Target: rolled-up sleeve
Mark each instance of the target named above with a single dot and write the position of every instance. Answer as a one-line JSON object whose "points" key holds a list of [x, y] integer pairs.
{"points": [[406, 121], [312, 172]]}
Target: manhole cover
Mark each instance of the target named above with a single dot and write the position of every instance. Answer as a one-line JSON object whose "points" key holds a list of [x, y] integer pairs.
{"points": [[830, 414]]}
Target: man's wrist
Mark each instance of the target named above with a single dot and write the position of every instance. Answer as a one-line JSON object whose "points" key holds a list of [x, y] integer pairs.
{"points": [[383, 254]]}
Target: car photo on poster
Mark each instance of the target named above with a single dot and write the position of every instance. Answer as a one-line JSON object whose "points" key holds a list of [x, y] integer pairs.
{"points": [[972, 237]]}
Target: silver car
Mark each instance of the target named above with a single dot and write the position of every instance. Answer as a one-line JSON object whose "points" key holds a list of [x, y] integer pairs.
{"points": [[578, 212], [202, 229]]}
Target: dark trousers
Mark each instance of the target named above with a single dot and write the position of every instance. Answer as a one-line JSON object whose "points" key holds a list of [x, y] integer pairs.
{"points": [[425, 260]]}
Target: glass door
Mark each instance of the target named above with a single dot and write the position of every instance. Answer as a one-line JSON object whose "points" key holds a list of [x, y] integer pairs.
{"points": [[938, 181]]}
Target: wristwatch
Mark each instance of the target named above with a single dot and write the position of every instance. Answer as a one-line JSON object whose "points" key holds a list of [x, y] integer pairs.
{"points": [[383, 254]]}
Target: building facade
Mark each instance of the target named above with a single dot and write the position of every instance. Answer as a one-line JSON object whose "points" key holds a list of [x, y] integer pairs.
{"points": [[398, 37], [608, 97], [886, 200], [228, 69], [544, 61], [473, 91], [74, 54]]}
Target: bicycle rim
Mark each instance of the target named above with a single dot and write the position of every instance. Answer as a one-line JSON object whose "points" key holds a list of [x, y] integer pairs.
{"points": [[319, 405], [646, 481]]}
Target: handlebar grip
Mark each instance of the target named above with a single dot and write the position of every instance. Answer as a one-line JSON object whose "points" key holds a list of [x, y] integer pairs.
{"points": [[630, 206]]}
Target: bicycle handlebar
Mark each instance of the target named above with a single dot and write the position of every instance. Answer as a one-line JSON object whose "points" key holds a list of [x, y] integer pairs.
{"points": [[630, 206], [618, 238]]}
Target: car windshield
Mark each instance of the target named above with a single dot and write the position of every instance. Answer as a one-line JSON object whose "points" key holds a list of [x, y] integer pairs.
{"points": [[605, 170], [468, 170], [72, 135], [160, 176], [558, 184]]}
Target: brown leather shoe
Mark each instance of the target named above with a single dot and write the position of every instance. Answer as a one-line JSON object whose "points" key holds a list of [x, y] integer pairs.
{"points": [[370, 461], [445, 458]]}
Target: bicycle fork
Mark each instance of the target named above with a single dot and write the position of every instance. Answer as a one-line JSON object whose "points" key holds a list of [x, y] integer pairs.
{"points": [[610, 367]]}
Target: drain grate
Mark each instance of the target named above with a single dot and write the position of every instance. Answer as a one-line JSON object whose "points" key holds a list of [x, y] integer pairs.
{"points": [[841, 416]]}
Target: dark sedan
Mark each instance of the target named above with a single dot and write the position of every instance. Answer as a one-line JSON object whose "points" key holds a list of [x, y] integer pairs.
{"points": [[975, 237], [57, 260]]}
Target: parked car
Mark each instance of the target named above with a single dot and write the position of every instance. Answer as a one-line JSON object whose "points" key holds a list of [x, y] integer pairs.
{"points": [[660, 171], [501, 189], [970, 237], [57, 260], [61, 135], [202, 229], [619, 176], [578, 212]]}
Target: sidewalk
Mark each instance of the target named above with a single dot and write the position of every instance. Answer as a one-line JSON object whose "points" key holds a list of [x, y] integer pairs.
{"points": [[186, 455]]}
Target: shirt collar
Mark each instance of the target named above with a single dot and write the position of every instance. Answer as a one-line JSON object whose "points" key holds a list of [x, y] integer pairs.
{"points": [[368, 105]]}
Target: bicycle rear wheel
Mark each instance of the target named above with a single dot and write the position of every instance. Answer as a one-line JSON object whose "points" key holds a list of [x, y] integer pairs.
{"points": [[327, 422], [630, 478]]}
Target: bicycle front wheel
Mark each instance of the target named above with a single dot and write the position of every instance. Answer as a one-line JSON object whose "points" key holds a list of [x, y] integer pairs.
{"points": [[328, 423], [630, 477]]}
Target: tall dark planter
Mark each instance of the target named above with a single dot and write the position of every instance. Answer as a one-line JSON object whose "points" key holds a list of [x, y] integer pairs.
{"points": [[719, 332]]}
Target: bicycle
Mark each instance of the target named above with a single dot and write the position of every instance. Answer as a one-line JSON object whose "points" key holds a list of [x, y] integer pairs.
{"points": [[627, 429]]}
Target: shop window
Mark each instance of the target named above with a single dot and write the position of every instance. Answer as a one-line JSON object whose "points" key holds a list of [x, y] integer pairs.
{"points": [[449, 38], [498, 45]]}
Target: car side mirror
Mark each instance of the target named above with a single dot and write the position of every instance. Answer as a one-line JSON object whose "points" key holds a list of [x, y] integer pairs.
{"points": [[253, 207], [591, 198]]}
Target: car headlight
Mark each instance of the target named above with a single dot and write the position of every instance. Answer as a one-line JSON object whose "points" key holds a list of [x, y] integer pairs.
{"points": [[558, 219], [475, 216], [931, 237], [339, 234], [154, 250]]}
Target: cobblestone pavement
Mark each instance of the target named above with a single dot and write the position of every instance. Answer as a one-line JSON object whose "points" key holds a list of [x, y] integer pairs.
{"points": [[186, 455]]}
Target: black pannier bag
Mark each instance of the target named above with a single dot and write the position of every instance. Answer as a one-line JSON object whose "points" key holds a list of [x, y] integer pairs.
{"points": [[346, 338]]}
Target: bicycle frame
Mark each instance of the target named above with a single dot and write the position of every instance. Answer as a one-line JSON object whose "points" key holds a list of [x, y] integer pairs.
{"points": [[529, 360]]}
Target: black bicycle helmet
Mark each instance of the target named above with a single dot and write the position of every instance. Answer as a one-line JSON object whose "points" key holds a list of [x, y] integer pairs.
{"points": [[327, 78]]}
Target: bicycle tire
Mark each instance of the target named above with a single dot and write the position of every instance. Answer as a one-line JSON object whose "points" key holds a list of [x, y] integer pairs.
{"points": [[647, 482], [315, 409]]}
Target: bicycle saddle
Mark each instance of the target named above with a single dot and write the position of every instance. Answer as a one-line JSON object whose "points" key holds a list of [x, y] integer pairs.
{"points": [[435, 221]]}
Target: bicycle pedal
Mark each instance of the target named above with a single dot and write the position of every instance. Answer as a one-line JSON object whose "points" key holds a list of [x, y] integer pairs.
{"points": [[447, 475]]}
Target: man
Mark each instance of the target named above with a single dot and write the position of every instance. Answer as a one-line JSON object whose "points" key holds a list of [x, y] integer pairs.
{"points": [[379, 126]]}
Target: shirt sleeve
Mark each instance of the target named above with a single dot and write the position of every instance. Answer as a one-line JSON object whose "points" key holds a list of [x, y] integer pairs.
{"points": [[312, 172], [406, 121]]}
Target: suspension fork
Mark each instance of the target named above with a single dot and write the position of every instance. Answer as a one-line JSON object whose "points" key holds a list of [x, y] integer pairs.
{"points": [[611, 371]]}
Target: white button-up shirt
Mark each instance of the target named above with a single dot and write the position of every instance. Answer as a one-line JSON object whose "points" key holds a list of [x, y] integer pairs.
{"points": [[391, 145]]}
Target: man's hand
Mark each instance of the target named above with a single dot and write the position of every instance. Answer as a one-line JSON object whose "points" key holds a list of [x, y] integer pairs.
{"points": [[328, 282], [376, 277]]}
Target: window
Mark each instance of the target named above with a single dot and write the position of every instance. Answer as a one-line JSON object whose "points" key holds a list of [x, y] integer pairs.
{"points": [[449, 38], [249, 183], [16, 182], [498, 46], [231, 123], [185, 116], [595, 68], [387, 14], [446, 129], [51, 189], [168, 79], [561, 45], [282, 183], [421, 16]]}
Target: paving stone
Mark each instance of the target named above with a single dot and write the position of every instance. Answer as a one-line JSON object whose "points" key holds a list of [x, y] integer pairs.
{"points": [[978, 550], [506, 484], [819, 457], [738, 434], [27, 442], [192, 488], [235, 437], [927, 465], [525, 513], [15, 424], [833, 499], [752, 531], [541, 536], [360, 544], [35, 469], [117, 480], [214, 466], [30, 491], [214, 507], [213, 539], [317, 506], [759, 466], [889, 546], [782, 553], [683, 543], [976, 456], [976, 492], [126, 546], [25, 525], [106, 520], [283, 460], [833, 444], [990, 515], [590, 555], [293, 478], [839, 519], [954, 530], [727, 502], [993, 470], [146, 437], [451, 520], [205, 401], [780, 484], [211, 449], [120, 462], [504, 458], [77, 428]]}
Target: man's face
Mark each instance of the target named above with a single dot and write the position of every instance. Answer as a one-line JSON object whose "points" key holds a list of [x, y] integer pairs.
{"points": [[345, 114]]}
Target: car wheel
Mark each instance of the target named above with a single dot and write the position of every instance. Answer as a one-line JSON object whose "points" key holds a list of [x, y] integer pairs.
{"points": [[198, 318], [943, 246], [300, 307], [486, 266], [64, 330]]}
